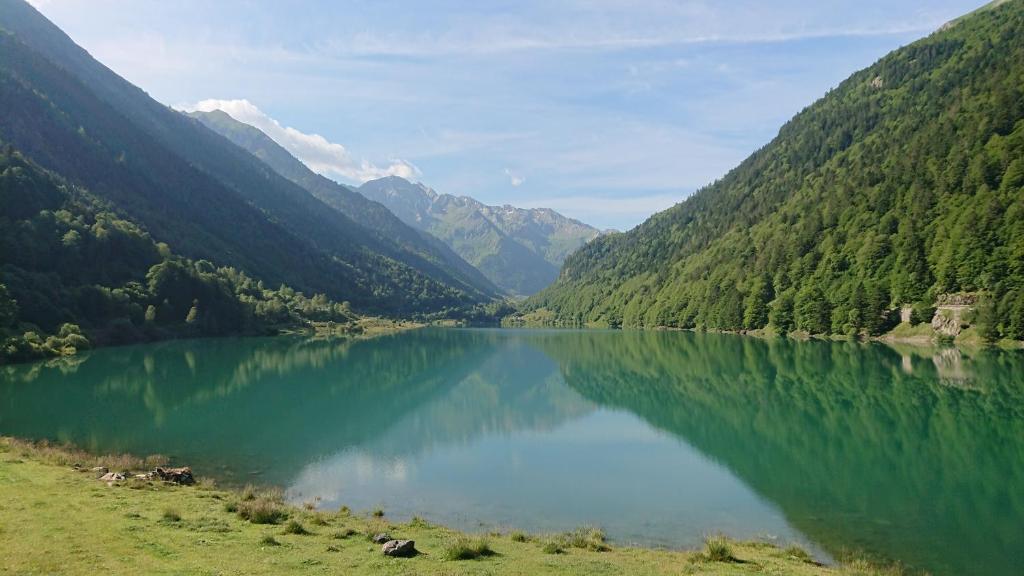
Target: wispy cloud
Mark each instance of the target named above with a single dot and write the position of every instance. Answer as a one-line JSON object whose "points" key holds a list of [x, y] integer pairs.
{"points": [[513, 178], [321, 155], [494, 42]]}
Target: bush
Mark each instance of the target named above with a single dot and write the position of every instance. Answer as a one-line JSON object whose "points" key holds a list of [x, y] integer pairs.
{"points": [[468, 549], [344, 533], [798, 553], [584, 538], [171, 515], [718, 549], [294, 527], [520, 536], [552, 547], [921, 313], [262, 510]]}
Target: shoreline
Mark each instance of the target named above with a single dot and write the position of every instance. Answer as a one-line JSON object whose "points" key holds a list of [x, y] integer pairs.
{"points": [[54, 489], [970, 341]]}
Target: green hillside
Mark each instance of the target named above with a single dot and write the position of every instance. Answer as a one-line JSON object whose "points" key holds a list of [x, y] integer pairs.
{"points": [[903, 183], [79, 271], [519, 250], [188, 186], [388, 233]]}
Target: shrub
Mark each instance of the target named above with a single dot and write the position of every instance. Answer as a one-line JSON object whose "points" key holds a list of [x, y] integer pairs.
{"points": [[520, 536], [584, 538], [344, 533], [171, 515], [467, 549], [718, 549], [260, 506], [249, 493], [798, 553], [378, 513], [262, 511], [269, 540], [294, 527], [552, 547]]}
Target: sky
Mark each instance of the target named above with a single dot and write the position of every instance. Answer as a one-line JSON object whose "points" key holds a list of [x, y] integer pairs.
{"points": [[605, 110]]}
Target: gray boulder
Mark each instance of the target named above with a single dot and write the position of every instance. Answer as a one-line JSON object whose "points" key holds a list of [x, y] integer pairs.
{"points": [[381, 538], [399, 548]]}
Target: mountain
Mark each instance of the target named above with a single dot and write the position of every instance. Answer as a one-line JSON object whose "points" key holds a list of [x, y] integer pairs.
{"points": [[76, 269], [188, 186], [902, 184], [519, 250], [388, 232]]}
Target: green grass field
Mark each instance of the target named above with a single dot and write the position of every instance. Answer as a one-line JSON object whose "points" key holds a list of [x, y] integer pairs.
{"points": [[55, 519]]}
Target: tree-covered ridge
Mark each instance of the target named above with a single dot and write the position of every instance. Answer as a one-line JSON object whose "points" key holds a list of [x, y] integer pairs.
{"points": [[76, 269], [185, 183], [903, 183]]}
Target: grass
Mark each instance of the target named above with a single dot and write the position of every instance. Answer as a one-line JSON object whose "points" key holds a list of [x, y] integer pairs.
{"points": [[264, 506], [717, 548], [296, 527], [797, 553], [520, 536], [552, 547], [171, 515], [58, 521], [583, 538], [466, 548]]}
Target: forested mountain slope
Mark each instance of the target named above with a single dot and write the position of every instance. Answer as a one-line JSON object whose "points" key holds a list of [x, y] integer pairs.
{"points": [[902, 183], [393, 236], [185, 184], [518, 249], [73, 268]]}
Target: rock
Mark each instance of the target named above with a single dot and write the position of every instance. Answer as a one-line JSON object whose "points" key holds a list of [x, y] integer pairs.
{"points": [[99, 471], [381, 538], [146, 476], [175, 475], [947, 321], [399, 548], [112, 477]]}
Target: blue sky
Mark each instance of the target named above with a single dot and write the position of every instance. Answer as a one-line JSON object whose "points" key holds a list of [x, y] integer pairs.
{"points": [[606, 110]]}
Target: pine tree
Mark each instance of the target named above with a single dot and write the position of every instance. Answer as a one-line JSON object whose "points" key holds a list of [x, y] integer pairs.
{"points": [[755, 313]]}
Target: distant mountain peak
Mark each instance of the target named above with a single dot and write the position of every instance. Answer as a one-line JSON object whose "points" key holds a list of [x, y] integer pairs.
{"points": [[519, 249]]}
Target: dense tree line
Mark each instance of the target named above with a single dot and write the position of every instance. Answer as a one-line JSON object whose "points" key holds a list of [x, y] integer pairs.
{"points": [[75, 272], [905, 182]]}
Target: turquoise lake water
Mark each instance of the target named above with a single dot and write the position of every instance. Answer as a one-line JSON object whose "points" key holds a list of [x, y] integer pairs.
{"points": [[909, 454]]}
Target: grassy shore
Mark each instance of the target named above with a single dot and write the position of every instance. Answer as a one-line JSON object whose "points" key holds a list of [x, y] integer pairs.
{"points": [[57, 518]]}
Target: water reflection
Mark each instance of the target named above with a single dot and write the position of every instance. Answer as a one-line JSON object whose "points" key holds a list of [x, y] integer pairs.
{"points": [[910, 453]]}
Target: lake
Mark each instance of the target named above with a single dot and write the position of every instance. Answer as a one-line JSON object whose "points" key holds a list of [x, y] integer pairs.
{"points": [[909, 454]]}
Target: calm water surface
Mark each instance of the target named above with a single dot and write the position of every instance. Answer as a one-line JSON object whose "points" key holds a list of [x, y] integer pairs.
{"points": [[909, 454]]}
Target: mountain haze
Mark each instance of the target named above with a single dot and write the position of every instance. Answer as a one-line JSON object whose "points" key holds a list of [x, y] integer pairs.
{"points": [[903, 183], [388, 232], [520, 250], [185, 184]]}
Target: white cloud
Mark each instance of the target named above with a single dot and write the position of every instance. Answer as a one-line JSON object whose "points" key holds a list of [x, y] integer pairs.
{"points": [[321, 155], [514, 179]]}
